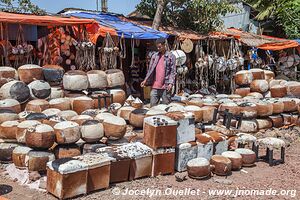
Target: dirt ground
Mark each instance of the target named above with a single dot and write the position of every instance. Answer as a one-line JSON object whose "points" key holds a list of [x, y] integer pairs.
{"points": [[261, 177]]}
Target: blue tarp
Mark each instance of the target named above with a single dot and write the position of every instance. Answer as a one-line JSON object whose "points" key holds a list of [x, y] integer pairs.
{"points": [[298, 40], [130, 30]]}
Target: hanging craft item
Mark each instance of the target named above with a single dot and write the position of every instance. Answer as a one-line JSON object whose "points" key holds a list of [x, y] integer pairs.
{"points": [[5, 46], [187, 46], [181, 69], [108, 54], [54, 46], [85, 55], [201, 67], [122, 52], [23, 51]]}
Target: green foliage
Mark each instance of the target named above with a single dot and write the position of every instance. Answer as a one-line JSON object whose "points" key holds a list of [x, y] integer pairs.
{"points": [[198, 15], [21, 6], [285, 13]]}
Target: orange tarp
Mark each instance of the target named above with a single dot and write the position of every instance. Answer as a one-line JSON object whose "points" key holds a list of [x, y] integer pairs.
{"points": [[96, 30], [42, 20], [260, 41]]}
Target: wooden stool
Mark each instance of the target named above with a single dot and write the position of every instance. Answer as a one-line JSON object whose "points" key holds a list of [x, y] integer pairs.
{"points": [[244, 138], [271, 143]]}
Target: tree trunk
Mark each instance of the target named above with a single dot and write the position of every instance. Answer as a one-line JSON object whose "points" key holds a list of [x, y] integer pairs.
{"points": [[158, 15]]}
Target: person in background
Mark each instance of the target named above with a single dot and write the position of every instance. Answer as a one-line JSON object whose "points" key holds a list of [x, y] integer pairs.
{"points": [[161, 74]]}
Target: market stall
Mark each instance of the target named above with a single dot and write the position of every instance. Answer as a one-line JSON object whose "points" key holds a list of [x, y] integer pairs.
{"points": [[52, 44], [129, 52]]}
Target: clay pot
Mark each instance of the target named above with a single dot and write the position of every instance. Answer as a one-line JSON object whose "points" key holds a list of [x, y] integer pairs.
{"points": [[221, 165], [293, 88], [287, 119], [155, 112], [7, 115], [278, 106], [249, 126], [40, 137], [114, 107], [260, 86], [8, 130], [67, 132], [264, 123], [195, 102], [254, 95], [22, 129], [137, 116], [208, 113], [114, 127], [6, 150], [8, 73], [97, 79], [73, 94], [119, 96], [53, 120], [243, 77], [101, 116], [80, 119], [60, 103], [36, 116], [198, 112], [198, 168], [248, 156], [232, 108], [249, 110], [92, 131], [67, 151], [93, 112], [276, 82], [18, 156], [51, 112], [53, 74], [81, 104], [56, 92], [39, 89], [235, 97], [290, 104], [38, 105], [269, 75], [37, 160], [75, 80], [15, 90], [115, 77], [10, 104], [264, 108], [22, 115], [67, 114], [278, 91], [257, 73], [235, 158], [277, 121], [30, 72], [124, 112], [242, 91]]}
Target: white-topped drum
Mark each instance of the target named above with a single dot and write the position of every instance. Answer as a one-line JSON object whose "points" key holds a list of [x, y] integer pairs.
{"points": [[30, 72], [39, 89], [97, 79], [67, 132], [75, 80], [17, 90]]}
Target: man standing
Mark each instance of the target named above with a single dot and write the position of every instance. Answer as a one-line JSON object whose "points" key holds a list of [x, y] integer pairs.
{"points": [[161, 74]]}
